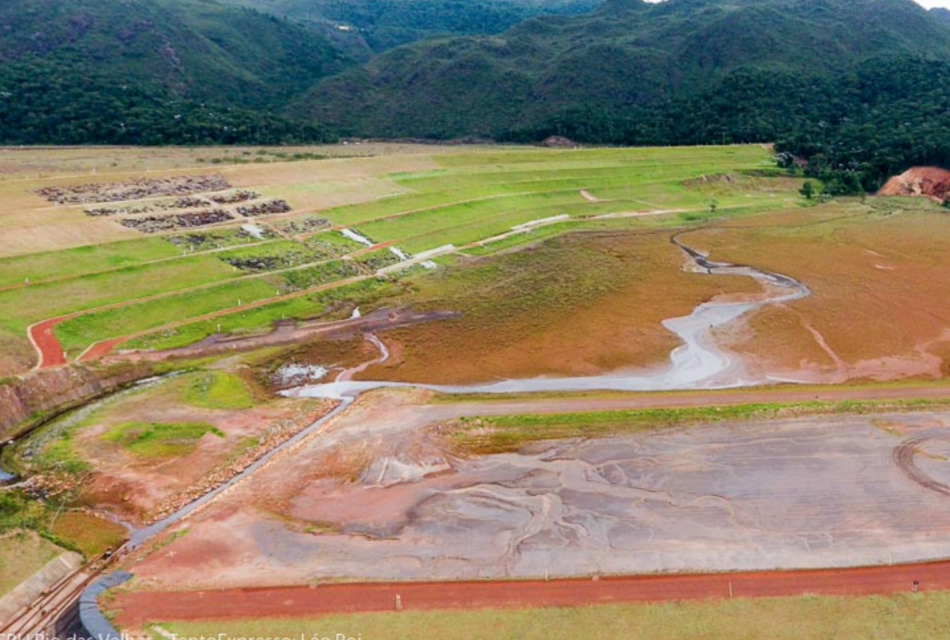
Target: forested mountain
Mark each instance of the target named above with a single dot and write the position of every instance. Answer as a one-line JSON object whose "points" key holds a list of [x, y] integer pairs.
{"points": [[153, 71], [941, 14], [859, 88], [367, 27], [625, 56]]}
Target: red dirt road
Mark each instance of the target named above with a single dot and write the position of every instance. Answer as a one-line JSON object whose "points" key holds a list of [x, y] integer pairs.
{"points": [[48, 347], [137, 608]]}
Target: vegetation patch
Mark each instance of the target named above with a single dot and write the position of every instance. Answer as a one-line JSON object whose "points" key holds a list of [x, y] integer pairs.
{"points": [[270, 257], [303, 225], [217, 239], [377, 260], [334, 243], [21, 515], [217, 390], [318, 275], [336, 303], [160, 440], [504, 434], [88, 534]]}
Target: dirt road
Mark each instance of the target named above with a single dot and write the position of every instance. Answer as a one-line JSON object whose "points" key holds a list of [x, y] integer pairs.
{"points": [[48, 348], [137, 608]]}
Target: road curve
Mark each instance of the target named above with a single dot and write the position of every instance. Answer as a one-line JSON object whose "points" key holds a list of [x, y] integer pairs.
{"points": [[136, 608], [48, 348]]}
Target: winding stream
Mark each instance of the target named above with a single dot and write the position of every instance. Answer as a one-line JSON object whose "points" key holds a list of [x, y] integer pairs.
{"points": [[697, 364]]}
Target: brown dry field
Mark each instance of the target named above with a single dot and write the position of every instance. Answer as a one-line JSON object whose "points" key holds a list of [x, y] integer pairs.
{"points": [[879, 280], [29, 222], [581, 304], [42, 162]]}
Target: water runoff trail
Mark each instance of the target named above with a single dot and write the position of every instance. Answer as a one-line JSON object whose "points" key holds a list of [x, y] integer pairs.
{"points": [[697, 364]]}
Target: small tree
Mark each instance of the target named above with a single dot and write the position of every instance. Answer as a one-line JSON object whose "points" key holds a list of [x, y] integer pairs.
{"points": [[713, 205], [808, 190]]}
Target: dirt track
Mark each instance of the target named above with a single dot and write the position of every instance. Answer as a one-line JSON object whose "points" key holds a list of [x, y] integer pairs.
{"points": [[47, 345], [139, 607]]}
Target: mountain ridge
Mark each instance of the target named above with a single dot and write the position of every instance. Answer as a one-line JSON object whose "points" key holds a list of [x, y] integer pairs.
{"points": [[626, 53]]}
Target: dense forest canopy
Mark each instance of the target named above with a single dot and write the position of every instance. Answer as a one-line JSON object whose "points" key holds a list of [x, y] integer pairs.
{"points": [[153, 72], [368, 27], [860, 89]]}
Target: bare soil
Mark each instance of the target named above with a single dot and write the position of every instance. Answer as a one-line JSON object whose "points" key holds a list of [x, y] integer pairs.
{"points": [[878, 283], [920, 182], [135, 609], [377, 495]]}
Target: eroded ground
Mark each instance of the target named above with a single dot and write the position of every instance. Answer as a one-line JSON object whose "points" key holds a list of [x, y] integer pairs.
{"points": [[379, 495], [145, 452], [879, 284]]}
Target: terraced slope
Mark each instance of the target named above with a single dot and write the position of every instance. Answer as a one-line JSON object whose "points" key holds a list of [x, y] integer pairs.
{"points": [[185, 283]]}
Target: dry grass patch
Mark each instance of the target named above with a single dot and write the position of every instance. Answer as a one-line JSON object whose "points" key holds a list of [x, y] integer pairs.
{"points": [[581, 304], [879, 283]]}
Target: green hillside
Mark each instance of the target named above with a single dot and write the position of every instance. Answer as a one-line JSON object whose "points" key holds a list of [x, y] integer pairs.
{"points": [[152, 71], [367, 27], [625, 56]]}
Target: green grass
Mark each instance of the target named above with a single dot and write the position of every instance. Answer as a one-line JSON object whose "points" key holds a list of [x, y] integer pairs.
{"points": [[470, 197], [907, 617], [217, 390], [323, 304], [334, 243], [160, 440], [33, 532], [318, 275], [473, 198], [79, 333], [22, 307], [83, 260], [501, 434]]}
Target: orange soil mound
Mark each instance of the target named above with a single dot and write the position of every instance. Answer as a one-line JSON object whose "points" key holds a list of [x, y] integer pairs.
{"points": [[926, 182]]}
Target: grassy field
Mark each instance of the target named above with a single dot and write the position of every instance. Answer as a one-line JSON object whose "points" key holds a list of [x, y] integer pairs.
{"points": [[160, 440], [503, 434], [218, 390], [416, 199], [908, 617]]}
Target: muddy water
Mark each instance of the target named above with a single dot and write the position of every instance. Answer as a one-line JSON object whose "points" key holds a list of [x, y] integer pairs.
{"points": [[699, 363]]}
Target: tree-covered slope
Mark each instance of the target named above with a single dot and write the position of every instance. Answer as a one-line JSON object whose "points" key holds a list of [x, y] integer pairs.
{"points": [[367, 27], [624, 57], [108, 70]]}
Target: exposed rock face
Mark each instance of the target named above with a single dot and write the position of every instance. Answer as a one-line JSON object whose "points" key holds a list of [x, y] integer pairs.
{"points": [[921, 182], [49, 389], [559, 142]]}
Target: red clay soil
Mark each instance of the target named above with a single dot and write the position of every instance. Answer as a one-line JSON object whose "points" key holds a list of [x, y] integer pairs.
{"points": [[47, 345], [137, 608], [926, 182], [101, 349]]}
